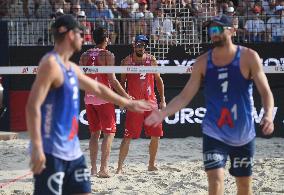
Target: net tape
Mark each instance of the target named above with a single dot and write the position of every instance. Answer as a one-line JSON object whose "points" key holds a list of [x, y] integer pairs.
{"points": [[11, 70]]}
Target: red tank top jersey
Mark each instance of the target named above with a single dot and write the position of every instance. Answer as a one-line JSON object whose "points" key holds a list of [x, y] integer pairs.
{"points": [[92, 60], [141, 86]]}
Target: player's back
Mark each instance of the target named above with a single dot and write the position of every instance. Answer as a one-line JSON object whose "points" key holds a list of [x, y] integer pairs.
{"points": [[229, 103], [95, 57], [141, 86], [60, 112]]}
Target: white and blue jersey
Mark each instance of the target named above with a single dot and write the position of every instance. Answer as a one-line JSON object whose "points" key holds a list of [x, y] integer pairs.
{"points": [[229, 103], [59, 116]]}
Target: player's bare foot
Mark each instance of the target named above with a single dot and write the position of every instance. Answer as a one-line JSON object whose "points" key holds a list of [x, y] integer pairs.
{"points": [[93, 171], [119, 171], [103, 174], [152, 168]]}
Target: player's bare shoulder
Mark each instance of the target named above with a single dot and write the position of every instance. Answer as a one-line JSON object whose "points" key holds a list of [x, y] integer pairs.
{"points": [[201, 63], [250, 57], [126, 61], [85, 57], [248, 53], [48, 65]]}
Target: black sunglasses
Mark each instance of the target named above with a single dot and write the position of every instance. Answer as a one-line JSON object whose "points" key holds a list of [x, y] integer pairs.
{"points": [[139, 45]]}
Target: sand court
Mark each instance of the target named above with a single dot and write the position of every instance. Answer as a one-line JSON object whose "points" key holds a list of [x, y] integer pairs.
{"points": [[179, 162]]}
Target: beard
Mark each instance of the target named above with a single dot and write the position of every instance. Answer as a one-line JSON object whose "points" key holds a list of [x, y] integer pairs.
{"points": [[139, 54], [219, 43]]}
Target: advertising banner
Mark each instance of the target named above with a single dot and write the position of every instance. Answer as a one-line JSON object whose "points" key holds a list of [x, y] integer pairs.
{"points": [[186, 122]]}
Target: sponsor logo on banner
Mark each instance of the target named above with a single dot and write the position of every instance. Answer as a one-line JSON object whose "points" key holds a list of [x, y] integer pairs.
{"points": [[86, 70], [90, 70], [25, 70], [279, 68], [273, 62], [184, 116], [132, 69], [29, 70], [35, 70]]}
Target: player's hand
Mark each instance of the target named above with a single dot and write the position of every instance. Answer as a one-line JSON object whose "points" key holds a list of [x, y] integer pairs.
{"points": [[267, 125], [139, 106], [162, 105], [155, 118], [38, 160]]}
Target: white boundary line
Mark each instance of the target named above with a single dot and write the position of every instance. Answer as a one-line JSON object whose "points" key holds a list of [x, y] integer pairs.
{"points": [[11, 70]]}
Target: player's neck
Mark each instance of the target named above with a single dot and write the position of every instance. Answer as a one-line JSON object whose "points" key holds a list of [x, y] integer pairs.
{"points": [[226, 49], [64, 52], [101, 46]]}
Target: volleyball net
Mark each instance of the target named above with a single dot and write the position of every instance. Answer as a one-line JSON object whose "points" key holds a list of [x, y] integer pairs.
{"points": [[15, 70]]}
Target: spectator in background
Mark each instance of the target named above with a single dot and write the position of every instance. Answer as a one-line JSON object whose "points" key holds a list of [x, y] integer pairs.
{"points": [[275, 25], [188, 8], [75, 9], [57, 4], [142, 19], [104, 18], [255, 26], [4, 10], [88, 6], [112, 6], [87, 39], [153, 5], [143, 10], [244, 8], [128, 10], [271, 9], [58, 13], [127, 7], [162, 28], [26, 8], [230, 11], [222, 6]]}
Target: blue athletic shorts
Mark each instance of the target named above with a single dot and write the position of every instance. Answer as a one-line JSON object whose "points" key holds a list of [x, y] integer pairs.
{"points": [[215, 154], [62, 177]]}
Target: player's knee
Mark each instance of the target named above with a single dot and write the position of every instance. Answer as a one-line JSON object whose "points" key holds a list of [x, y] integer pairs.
{"points": [[154, 138], [96, 135], [109, 135], [215, 177], [244, 184], [126, 141]]}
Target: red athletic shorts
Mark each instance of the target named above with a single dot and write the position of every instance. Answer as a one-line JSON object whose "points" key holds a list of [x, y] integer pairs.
{"points": [[134, 124], [101, 117]]}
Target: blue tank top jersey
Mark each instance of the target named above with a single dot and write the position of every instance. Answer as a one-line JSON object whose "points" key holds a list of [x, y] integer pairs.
{"points": [[229, 103], [60, 111]]}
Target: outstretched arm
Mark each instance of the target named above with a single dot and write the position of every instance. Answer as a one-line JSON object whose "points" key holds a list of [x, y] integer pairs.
{"points": [[160, 86], [182, 99], [107, 94], [263, 88]]}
